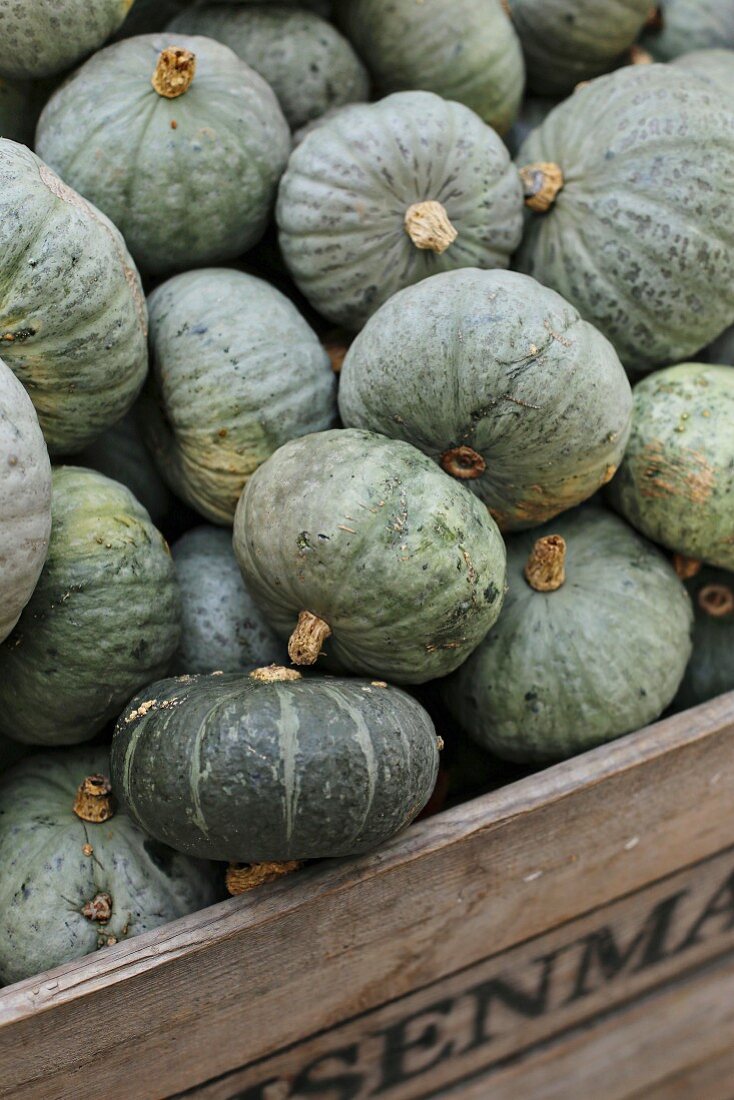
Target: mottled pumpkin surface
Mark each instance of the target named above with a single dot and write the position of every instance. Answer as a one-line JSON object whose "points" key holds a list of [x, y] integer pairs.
{"points": [[343, 200], [710, 671], [103, 620], [73, 320], [494, 362], [676, 483], [406, 567], [234, 768], [188, 180], [53, 864], [565, 670], [641, 237], [716, 65], [43, 37], [686, 25]]}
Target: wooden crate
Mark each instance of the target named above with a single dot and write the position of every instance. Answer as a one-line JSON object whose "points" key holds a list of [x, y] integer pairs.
{"points": [[568, 936]]}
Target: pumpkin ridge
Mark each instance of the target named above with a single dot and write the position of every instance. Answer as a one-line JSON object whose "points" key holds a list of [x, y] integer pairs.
{"points": [[365, 743]]}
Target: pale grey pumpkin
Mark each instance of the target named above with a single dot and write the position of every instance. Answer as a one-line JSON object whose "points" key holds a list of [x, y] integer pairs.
{"points": [[715, 65], [677, 27], [44, 37]]}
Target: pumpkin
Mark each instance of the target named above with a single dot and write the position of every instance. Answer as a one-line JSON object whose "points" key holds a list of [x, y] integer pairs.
{"points": [[676, 483], [73, 321], [348, 536], [42, 38], [176, 140], [498, 380], [19, 110], [222, 627], [679, 26], [710, 671], [237, 372], [272, 766], [618, 225], [722, 349], [592, 642], [567, 41], [465, 51], [305, 60], [380, 196], [533, 110], [76, 873], [104, 618], [714, 65], [25, 500]]}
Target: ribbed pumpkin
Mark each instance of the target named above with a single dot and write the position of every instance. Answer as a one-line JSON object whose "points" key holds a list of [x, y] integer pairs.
{"points": [[222, 628], [19, 109], [592, 642], [237, 373], [710, 671], [679, 26], [615, 176], [676, 483], [273, 767], [176, 140], [73, 320], [307, 63], [76, 874], [103, 620], [41, 38], [380, 196], [356, 538], [714, 65], [498, 380], [25, 499], [465, 51]]}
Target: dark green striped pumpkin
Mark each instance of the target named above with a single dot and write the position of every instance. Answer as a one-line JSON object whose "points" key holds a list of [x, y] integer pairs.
{"points": [[710, 671]]}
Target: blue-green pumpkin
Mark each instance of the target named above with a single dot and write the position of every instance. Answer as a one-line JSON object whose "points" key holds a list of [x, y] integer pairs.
{"points": [[710, 671], [678, 27], [715, 65], [44, 37]]}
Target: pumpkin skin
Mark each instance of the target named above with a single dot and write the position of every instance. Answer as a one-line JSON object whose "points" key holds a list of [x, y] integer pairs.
{"points": [[41, 39], [500, 382], [239, 769], [25, 500], [676, 483], [688, 25], [714, 65], [104, 618], [308, 64], [405, 566], [111, 135], [73, 320], [710, 671], [565, 670], [222, 627], [47, 879], [237, 372], [465, 51], [627, 240], [343, 201]]}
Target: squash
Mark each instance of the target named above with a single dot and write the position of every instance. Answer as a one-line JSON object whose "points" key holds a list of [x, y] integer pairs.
{"points": [[592, 642], [498, 380], [679, 26], [714, 65], [348, 536], [238, 372], [533, 110], [19, 110], [222, 628], [103, 620], [380, 196], [73, 321], [305, 60], [272, 766], [42, 38], [25, 500], [676, 483], [76, 874], [710, 671], [567, 41], [465, 51], [618, 224], [176, 140]]}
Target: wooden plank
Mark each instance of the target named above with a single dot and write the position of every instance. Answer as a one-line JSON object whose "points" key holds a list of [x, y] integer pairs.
{"points": [[710, 1079], [232, 984]]}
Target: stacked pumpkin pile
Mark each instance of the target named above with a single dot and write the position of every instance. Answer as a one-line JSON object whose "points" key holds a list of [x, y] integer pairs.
{"points": [[522, 493]]}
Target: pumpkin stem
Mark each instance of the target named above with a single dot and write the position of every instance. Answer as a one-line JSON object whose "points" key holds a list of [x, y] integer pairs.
{"points": [[275, 674], [243, 877], [541, 183], [640, 56], [304, 645], [686, 567], [336, 346], [174, 72], [463, 462], [428, 226], [98, 909], [93, 800], [545, 569], [717, 600]]}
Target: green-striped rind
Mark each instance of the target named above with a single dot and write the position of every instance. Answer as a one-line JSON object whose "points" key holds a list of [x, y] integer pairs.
{"points": [[691, 25], [231, 768], [41, 39], [710, 671]]}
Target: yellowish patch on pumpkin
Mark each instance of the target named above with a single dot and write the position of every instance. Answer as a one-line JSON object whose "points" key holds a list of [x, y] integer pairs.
{"points": [[686, 474]]}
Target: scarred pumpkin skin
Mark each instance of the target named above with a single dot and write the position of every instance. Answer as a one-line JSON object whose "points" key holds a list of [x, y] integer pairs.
{"points": [[687, 25], [103, 620], [41, 39], [710, 671], [563, 671], [48, 877], [676, 483], [188, 180], [73, 320], [628, 240], [493, 362], [716, 66], [236, 768], [350, 183]]}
